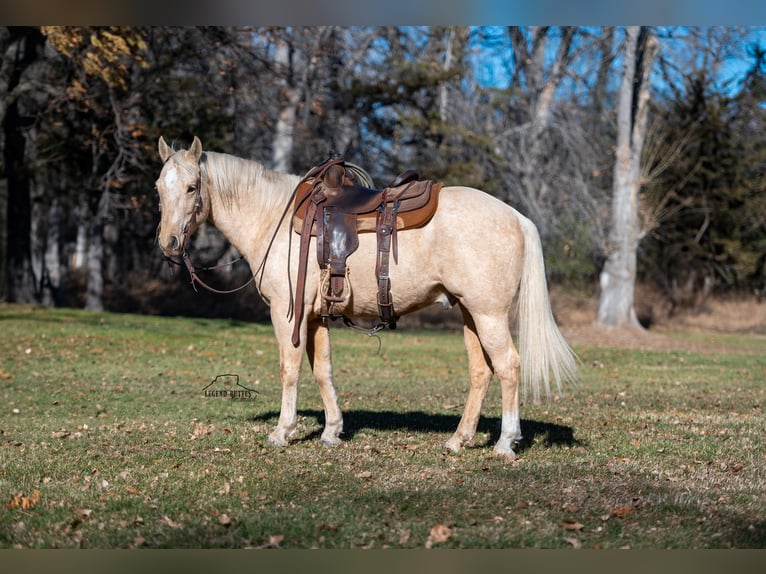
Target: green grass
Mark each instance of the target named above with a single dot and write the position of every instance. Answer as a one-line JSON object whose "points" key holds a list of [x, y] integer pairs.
{"points": [[104, 415]]}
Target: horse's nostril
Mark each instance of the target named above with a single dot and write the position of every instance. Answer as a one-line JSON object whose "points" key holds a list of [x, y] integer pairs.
{"points": [[174, 243]]}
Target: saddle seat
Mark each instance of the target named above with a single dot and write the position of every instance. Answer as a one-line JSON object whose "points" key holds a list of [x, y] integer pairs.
{"points": [[331, 206]]}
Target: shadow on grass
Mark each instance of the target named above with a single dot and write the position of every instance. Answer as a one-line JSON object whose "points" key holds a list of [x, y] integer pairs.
{"points": [[354, 421]]}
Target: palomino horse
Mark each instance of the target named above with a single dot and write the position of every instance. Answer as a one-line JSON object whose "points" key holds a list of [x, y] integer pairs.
{"points": [[476, 252]]}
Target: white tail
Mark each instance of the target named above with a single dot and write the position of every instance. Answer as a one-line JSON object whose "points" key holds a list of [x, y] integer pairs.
{"points": [[542, 347]]}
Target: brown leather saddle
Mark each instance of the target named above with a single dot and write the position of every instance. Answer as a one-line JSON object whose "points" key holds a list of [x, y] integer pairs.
{"points": [[332, 206]]}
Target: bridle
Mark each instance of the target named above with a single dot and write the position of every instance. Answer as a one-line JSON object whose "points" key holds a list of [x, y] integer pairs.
{"points": [[197, 207], [191, 219], [186, 259]]}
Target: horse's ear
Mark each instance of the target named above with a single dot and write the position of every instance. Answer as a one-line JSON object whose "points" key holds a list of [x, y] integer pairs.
{"points": [[165, 150], [195, 151]]}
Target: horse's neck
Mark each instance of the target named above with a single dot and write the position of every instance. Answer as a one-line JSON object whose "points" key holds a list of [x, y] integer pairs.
{"points": [[249, 218]]}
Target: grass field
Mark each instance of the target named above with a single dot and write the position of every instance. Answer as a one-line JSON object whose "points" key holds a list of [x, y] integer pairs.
{"points": [[110, 437]]}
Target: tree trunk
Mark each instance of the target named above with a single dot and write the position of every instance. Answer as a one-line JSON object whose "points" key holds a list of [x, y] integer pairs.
{"points": [[599, 89], [21, 286], [618, 278], [443, 88], [283, 137], [53, 274], [95, 260]]}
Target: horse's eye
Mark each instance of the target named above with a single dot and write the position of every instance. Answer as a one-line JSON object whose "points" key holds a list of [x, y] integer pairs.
{"points": [[192, 188]]}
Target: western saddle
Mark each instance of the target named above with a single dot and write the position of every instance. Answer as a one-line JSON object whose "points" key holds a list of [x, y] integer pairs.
{"points": [[331, 206]]}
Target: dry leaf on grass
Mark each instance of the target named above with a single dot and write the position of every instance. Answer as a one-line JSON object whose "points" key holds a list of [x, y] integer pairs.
{"points": [[174, 525], [571, 525], [24, 502], [201, 430], [404, 537], [274, 541], [575, 542], [439, 533], [622, 511]]}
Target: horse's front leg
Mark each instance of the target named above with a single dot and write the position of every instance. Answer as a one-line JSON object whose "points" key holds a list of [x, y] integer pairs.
{"points": [[320, 358], [290, 358]]}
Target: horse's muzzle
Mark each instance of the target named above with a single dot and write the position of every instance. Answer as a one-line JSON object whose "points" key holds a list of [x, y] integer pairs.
{"points": [[172, 247]]}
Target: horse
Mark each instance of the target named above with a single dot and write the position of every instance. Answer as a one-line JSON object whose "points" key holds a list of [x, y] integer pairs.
{"points": [[476, 252]]}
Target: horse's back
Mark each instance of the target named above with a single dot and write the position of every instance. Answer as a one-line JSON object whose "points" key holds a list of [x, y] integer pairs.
{"points": [[478, 222], [472, 249]]}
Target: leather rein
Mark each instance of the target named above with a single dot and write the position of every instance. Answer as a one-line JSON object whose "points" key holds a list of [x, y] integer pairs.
{"points": [[192, 270], [186, 259]]}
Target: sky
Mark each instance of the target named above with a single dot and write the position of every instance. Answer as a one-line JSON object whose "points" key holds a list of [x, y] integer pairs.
{"points": [[490, 65]]}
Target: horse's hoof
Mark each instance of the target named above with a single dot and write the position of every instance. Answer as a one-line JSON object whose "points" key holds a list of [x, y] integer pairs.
{"points": [[505, 453], [330, 442], [454, 444], [276, 440]]}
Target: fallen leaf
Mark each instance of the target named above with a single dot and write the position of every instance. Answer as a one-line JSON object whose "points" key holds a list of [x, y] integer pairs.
{"points": [[24, 502], [622, 511], [275, 540], [364, 475], [224, 520], [571, 525], [736, 467], [60, 433], [439, 533], [575, 542], [139, 541], [83, 512], [404, 537], [169, 522]]}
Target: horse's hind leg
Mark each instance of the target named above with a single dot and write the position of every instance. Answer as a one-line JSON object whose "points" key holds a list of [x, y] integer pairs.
{"points": [[481, 374], [496, 340], [320, 358]]}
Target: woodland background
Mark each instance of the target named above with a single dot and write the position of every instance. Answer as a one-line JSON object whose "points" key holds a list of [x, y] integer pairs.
{"points": [[528, 114]]}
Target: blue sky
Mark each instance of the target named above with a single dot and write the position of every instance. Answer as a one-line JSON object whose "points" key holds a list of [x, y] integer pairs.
{"points": [[490, 63]]}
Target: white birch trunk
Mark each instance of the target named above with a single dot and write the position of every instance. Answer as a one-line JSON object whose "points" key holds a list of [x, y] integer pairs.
{"points": [[443, 92], [618, 278], [283, 136]]}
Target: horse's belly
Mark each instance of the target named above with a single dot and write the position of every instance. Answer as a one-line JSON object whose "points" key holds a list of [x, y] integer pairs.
{"points": [[415, 277]]}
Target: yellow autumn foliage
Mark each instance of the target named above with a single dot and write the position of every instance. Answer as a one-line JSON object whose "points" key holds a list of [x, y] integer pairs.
{"points": [[105, 53]]}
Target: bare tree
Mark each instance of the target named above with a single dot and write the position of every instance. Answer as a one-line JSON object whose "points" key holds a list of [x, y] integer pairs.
{"points": [[618, 278]]}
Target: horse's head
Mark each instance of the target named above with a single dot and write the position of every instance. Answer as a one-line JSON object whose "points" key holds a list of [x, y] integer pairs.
{"points": [[183, 201]]}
